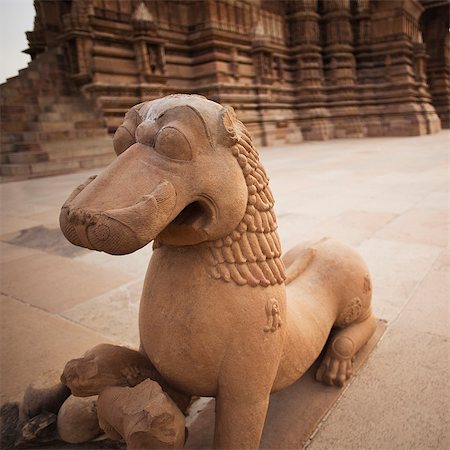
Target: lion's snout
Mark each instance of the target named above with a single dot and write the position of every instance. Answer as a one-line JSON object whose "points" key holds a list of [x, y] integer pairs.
{"points": [[98, 231]]}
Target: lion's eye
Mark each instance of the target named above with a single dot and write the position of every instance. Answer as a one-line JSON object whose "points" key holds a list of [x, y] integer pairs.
{"points": [[172, 143]]}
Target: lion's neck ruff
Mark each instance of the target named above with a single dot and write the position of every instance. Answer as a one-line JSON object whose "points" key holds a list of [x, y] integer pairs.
{"points": [[251, 253]]}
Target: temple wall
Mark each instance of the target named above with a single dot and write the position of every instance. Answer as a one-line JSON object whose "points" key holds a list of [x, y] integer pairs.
{"points": [[306, 69]]}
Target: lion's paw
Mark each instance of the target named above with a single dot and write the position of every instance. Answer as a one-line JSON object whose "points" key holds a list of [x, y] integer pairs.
{"points": [[334, 371], [337, 365]]}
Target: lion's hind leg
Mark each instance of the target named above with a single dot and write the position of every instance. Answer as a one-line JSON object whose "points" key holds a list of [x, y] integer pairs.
{"points": [[337, 365]]}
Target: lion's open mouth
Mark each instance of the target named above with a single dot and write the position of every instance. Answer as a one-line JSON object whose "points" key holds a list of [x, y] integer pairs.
{"points": [[193, 214], [191, 224]]}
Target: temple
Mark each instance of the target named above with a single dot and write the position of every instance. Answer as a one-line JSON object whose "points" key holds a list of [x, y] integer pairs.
{"points": [[294, 70]]}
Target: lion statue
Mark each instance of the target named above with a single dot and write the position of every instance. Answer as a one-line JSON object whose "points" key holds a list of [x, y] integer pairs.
{"points": [[223, 313]]}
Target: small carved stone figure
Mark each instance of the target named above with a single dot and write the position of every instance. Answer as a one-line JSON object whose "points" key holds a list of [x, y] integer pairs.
{"points": [[222, 313], [144, 416]]}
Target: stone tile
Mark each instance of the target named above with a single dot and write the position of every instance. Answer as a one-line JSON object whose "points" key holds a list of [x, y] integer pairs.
{"points": [[50, 240], [381, 203], [419, 226], [399, 400], [10, 252], [396, 267], [443, 262], [134, 264], [50, 217], [322, 207], [35, 345], [292, 229], [437, 199], [420, 185], [428, 309], [19, 208], [386, 308], [55, 283], [114, 314], [11, 224], [351, 227]]}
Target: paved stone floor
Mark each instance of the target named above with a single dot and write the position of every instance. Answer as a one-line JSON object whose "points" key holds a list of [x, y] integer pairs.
{"points": [[388, 197]]}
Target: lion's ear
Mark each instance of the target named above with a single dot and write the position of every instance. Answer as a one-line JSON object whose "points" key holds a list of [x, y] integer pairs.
{"points": [[229, 117], [228, 128]]}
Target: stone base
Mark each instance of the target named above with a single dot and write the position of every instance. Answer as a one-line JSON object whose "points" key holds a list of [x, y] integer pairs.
{"points": [[405, 119], [316, 125]]}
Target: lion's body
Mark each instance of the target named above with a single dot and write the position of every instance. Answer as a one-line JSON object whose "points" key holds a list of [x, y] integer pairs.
{"points": [[188, 327]]}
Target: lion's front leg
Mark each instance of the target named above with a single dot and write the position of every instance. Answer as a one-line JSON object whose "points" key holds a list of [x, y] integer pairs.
{"points": [[239, 419], [245, 383]]}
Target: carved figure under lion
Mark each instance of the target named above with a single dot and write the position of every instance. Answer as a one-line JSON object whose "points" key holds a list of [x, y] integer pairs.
{"points": [[223, 313]]}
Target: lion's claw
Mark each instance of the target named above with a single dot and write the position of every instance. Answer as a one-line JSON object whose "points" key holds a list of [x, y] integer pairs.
{"points": [[334, 371]]}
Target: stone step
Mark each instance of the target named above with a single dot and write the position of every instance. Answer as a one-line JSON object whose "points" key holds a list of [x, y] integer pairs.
{"points": [[22, 153], [51, 126], [18, 117], [6, 149], [10, 138], [80, 148], [32, 140], [26, 157], [121, 102], [47, 168], [89, 124], [13, 127], [74, 134], [15, 170], [48, 127], [26, 147], [20, 95], [72, 116]]}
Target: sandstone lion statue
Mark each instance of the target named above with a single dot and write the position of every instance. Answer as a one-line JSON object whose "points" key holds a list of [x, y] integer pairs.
{"points": [[223, 313]]}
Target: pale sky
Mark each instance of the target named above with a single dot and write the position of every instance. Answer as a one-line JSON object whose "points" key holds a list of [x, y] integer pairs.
{"points": [[16, 17]]}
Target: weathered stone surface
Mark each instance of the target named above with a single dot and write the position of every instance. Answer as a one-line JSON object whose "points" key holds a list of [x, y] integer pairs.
{"points": [[144, 416], [16, 283], [43, 397], [36, 346], [77, 420]]}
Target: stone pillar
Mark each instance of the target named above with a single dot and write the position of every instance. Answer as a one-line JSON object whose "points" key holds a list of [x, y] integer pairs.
{"points": [[340, 70], [77, 41], [399, 103], [435, 24], [310, 95], [211, 12], [36, 38], [150, 53], [263, 72], [276, 122]]}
